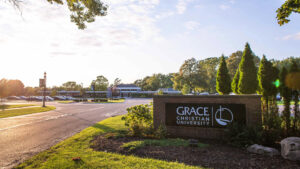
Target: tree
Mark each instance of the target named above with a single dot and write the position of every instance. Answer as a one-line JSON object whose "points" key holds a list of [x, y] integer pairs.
{"points": [[155, 82], [207, 73], [234, 60], [70, 86], [190, 72], [286, 62], [177, 81], [223, 85], [286, 10], [82, 11], [30, 91], [3, 88], [248, 73], [15, 88], [235, 82], [286, 93], [101, 83], [185, 89], [267, 75], [292, 79], [117, 81]]}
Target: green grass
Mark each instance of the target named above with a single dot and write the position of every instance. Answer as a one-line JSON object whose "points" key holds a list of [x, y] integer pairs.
{"points": [[60, 155], [112, 101], [18, 112], [133, 145], [116, 101], [281, 103], [15, 106]]}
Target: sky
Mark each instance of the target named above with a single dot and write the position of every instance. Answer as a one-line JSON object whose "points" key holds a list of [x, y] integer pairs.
{"points": [[137, 38]]}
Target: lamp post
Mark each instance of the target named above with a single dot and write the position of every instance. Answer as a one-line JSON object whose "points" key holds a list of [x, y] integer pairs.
{"points": [[44, 93]]}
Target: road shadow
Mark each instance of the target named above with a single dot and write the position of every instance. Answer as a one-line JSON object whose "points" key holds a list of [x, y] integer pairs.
{"points": [[104, 127]]}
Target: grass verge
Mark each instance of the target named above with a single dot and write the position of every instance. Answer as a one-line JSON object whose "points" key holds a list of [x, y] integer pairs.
{"points": [[60, 155], [112, 101], [15, 106], [18, 112], [133, 145]]}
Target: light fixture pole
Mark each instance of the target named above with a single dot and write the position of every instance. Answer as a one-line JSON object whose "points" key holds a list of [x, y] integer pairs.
{"points": [[44, 93]]}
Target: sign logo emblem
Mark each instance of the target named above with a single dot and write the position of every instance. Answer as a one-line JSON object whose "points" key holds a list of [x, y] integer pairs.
{"points": [[223, 116]]}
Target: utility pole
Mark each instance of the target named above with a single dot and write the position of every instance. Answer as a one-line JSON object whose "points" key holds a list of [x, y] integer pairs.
{"points": [[44, 93]]}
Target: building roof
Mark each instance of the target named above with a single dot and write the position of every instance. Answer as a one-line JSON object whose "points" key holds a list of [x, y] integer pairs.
{"points": [[167, 89], [126, 85]]}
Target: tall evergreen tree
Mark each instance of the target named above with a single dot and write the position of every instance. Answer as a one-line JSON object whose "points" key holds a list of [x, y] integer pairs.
{"points": [[235, 82], [267, 75], [286, 93], [294, 70], [223, 82], [248, 73]]}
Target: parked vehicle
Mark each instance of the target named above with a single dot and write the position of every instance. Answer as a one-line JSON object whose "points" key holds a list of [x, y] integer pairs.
{"points": [[23, 97], [48, 98], [69, 98], [13, 98], [204, 93], [59, 98]]}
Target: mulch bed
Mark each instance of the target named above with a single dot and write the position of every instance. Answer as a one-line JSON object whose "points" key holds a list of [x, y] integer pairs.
{"points": [[216, 155]]}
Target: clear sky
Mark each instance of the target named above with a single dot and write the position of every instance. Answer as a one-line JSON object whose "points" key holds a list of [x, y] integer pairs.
{"points": [[136, 38]]}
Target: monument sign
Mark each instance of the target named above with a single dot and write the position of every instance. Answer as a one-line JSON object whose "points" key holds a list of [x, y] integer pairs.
{"points": [[205, 116]]}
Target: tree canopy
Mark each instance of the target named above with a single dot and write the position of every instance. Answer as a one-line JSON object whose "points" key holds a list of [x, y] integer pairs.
{"points": [[248, 73], [267, 75], [286, 9], [82, 11], [155, 82], [223, 85], [101, 83], [235, 82], [11, 88]]}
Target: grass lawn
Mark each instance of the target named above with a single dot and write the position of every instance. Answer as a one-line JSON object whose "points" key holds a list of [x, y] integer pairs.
{"points": [[60, 155], [15, 106], [18, 112], [112, 101]]}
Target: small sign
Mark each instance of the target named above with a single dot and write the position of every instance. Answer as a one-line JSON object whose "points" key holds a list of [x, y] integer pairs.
{"points": [[204, 115], [42, 82]]}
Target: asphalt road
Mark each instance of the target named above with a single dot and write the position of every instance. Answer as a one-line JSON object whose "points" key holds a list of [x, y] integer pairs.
{"points": [[21, 137]]}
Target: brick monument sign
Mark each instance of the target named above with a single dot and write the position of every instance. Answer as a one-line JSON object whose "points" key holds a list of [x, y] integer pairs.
{"points": [[205, 116]]}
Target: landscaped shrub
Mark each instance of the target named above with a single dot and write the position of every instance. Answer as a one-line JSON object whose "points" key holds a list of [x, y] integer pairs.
{"points": [[242, 136], [103, 100], [140, 120], [161, 132]]}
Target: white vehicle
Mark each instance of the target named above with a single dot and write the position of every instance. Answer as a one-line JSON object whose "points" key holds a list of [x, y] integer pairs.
{"points": [[48, 98], [204, 93], [69, 98]]}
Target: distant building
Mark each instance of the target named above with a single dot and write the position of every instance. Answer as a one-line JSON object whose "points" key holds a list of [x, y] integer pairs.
{"points": [[169, 91], [123, 90], [68, 93]]}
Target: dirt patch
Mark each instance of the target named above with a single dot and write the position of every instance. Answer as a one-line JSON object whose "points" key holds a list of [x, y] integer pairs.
{"points": [[216, 155]]}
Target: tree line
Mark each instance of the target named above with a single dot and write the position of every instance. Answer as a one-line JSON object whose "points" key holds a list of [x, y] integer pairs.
{"points": [[195, 76]]}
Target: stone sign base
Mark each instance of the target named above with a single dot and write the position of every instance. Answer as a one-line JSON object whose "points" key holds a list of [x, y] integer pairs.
{"points": [[205, 116]]}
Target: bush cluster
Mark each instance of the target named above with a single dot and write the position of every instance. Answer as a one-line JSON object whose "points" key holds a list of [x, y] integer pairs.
{"points": [[139, 120]]}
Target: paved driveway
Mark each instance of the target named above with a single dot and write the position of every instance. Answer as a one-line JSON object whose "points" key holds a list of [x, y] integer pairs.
{"points": [[24, 136]]}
